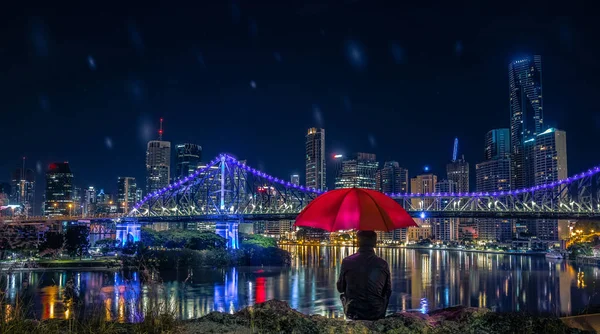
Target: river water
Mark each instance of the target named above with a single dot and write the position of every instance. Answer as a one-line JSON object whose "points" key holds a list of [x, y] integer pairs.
{"points": [[422, 280]]}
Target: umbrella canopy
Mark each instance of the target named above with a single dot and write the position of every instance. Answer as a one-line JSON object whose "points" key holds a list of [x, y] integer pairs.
{"points": [[354, 209]]}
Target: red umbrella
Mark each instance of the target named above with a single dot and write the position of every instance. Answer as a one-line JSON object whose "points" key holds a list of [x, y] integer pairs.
{"points": [[354, 209]]}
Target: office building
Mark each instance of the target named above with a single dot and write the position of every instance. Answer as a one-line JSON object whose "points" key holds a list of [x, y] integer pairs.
{"points": [[497, 144], [295, 179], [158, 165], [458, 172], [550, 156], [359, 171], [274, 229], [550, 165], [315, 159], [445, 186], [23, 190], [495, 229], [187, 159], [444, 229], [421, 184], [392, 179], [126, 194], [526, 113], [88, 202], [59, 190], [493, 175]]}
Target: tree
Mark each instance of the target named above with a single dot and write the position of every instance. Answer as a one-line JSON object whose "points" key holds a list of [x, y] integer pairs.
{"points": [[205, 240], [580, 248], [53, 244], [76, 240], [258, 240], [106, 245]]}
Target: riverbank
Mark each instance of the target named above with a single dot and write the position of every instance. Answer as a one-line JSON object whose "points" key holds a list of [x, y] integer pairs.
{"points": [[105, 263], [450, 249], [277, 317]]}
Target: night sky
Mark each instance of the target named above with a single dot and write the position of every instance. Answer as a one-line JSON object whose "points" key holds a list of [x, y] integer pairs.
{"points": [[88, 84]]}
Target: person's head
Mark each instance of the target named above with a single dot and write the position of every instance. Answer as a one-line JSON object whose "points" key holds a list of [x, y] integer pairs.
{"points": [[366, 238]]}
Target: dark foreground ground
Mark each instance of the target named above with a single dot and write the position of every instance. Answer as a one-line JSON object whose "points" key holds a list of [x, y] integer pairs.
{"points": [[277, 317]]}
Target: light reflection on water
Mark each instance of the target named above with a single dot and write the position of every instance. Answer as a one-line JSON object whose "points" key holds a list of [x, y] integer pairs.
{"points": [[422, 280]]}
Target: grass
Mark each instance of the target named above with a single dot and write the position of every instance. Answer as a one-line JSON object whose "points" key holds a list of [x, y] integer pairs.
{"points": [[150, 316]]}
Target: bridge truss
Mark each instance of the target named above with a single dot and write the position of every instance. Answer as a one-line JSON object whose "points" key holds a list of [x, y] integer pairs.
{"points": [[229, 189], [225, 187], [575, 197]]}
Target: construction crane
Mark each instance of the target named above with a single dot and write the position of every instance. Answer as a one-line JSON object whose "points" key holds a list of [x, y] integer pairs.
{"points": [[455, 152]]}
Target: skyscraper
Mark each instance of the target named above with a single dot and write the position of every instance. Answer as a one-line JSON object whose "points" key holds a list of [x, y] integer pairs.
{"points": [[550, 156], [59, 190], [526, 113], [421, 184], [359, 171], [23, 190], [392, 178], [458, 171], [493, 175], [295, 179], [550, 165], [497, 144], [158, 163], [89, 202], [445, 186], [188, 157], [126, 194], [315, 159]]}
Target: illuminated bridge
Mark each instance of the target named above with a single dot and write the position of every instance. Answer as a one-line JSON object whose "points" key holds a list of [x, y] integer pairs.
{"points": [[228, 189]]}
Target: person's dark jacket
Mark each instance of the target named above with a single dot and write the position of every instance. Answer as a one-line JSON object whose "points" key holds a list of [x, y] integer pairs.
{"points": [[364, 284]]}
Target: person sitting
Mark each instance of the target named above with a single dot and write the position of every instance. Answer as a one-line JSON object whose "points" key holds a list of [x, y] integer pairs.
{"points": [[364, 281]]}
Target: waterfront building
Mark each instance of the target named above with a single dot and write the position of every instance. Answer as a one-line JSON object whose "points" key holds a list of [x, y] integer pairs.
{"points": [[274, 229], [549, 151], [187, 159], [359, 171], [445, 229], [421, 184], [495, 229], [526, 113], [59, 190], [392, 179], [315, 159], [126, 194]]}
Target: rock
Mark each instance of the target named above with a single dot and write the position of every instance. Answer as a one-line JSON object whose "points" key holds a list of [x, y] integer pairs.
{"points": [[455, 314], [402, 322], [276, 316]]}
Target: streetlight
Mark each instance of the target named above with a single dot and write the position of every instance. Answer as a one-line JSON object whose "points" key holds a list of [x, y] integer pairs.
{"points": [[70, 206]]}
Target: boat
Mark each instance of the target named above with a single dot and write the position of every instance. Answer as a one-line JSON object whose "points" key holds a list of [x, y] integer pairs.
{"points": [[554, 255]]}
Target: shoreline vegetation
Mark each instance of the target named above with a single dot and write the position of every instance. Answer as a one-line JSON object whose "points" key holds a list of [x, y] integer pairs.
{"points": [[276, 316]]}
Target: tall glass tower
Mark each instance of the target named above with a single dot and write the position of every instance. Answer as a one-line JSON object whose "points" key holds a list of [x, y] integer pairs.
{"points": [[526, 113], [315, 158], [59, 190], [158, 163], [188, 158]]}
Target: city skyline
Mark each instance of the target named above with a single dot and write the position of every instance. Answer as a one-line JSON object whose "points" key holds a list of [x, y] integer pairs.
{"points": [[267, 88]]}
